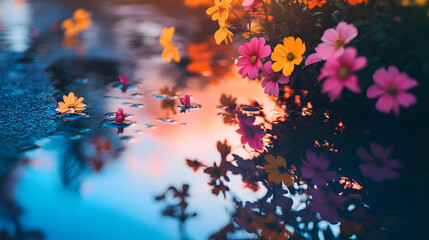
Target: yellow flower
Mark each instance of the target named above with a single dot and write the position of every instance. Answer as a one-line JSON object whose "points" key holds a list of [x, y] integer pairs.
{"points": [[277, 171], [288, 55], [271, 227], [420, 3], [71, 104], [170, 51], [223, 34], [73, 26], [220, 11]]}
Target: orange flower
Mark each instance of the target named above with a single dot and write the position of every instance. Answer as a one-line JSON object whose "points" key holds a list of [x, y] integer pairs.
{"points": [[313, 3], [80, 21], [354, 2], [277, 170], [223, 34], [71, 104], [272, 227], [170, 51], [220, 11]]}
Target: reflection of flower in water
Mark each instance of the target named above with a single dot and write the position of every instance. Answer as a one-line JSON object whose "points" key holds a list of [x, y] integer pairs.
{"points": [[277, 170], [194, 164], [220, 11], [74, 44], [170, 51], [71, 104], [272, 227], [73, 26], [251, 134], [169, 103], [327, 204], [378, 167], [223, 34], [315, 169], [198, 3]]}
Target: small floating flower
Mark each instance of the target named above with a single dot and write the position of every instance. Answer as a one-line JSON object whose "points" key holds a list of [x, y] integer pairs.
{"points": [[71, 104], [186, 103], [272, 79], [287, 55], [340, 73], [391, 86], [334, 40], [251, 55], [124, 80], [379, 166], [120, 116], [277, 170], [251, 134]]}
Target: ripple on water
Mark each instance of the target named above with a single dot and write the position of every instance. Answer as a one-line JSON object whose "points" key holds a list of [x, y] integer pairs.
{"points": [[81, 81], [137, 105], [167, 120], [126, 87], [223, 107], [190, 107], [112, 124], [222, 114], [137, 95], [150, 126], [162, 96], [71, 116], [113, 114], [250, 108]]}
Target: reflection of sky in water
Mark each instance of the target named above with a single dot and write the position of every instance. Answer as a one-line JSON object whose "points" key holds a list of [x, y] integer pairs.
{"points": [[15, 21]]}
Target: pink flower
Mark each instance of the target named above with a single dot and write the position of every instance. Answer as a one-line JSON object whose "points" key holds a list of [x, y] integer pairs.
{"points": [[186, 103], [272, 79], [339, 73], [251, 133], [123, 79], [251, 55], [315, 169], [392, 86], [185, 100], [378, 167], [326, 204], [334, 40], [250, 4], [120, 116]]}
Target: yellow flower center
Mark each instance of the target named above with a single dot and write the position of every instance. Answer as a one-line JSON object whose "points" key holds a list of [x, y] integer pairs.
{"points": [[339, 43], [253, 59], [392, 91], [290, 57], [343, 72]]}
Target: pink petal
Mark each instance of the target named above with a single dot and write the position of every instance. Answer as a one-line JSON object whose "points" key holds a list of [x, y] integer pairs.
{"points": [[243, 51], [283, 79], [346, 31], [266, 51], [406, 99], [364, 155], [312, 58], [379, 152], [253, 73], [330, 36], [359, 63], [381, 78], [325, 50], [375, 91], [385, 103], [351, 83], [403, 82]]}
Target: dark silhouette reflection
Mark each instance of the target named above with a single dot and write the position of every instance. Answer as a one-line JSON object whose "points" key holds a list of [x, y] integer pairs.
{"points": [[10, 212], [177, 208]]}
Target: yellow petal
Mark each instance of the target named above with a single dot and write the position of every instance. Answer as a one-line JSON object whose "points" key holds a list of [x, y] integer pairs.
{"points": [[275, 177], [288, 69], [80, 105], [71, 97], [220, 35], [297, 60], [289, 43], [78, 101], [287, 180], [281, 161], [280, 50], [277, 66], [62, 105], [270, 159], [66, 100]]}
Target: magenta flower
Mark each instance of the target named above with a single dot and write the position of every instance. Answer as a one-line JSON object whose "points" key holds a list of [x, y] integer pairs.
{"points": [[392, 86], [120, 116], [326, 204], [339, 73], [250, 4], [251, 134], [378, 167], [334, 40], [315, 169], [124, 80], [186, 103], [272, 79], [251, 55]]}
